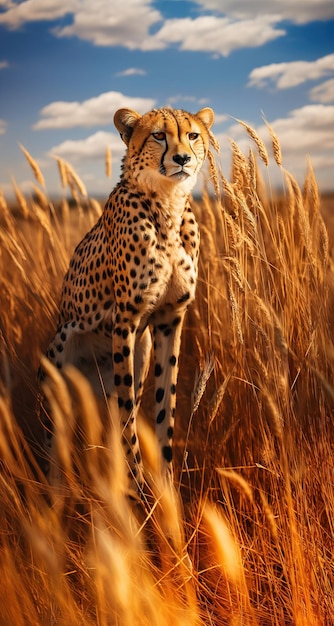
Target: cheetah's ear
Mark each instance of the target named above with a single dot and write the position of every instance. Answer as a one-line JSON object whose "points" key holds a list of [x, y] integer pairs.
{"points": [[124, 120], [207, 116]]}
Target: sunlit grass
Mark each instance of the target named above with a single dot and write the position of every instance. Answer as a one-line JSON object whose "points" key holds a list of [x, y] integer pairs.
{"points": [[254, 436]]}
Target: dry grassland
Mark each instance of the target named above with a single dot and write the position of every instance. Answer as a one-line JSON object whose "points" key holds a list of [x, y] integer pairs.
{"points": [[254, 436]]}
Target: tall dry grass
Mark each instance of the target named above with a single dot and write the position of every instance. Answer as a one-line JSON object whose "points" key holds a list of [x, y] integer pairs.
{"points": [[254, 436]]}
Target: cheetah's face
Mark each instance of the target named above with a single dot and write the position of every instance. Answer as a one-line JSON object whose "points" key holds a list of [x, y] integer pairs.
{"points": [[165, 145]]}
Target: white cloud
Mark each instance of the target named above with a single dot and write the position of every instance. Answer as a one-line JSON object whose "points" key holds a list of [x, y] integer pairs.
{"points": [[3, 126], [91, 148], [109, 23], [129, 24], [305, 131], [132, 71], [209, 33], [220, 117], [106, 23], [101, 22], [298, 11], [323, 93], [98, 111], [4, 65], [285, 75], [35, 10]]}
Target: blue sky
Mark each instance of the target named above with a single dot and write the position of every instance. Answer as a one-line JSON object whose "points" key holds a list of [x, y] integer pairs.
{"points": [[67, 65]]}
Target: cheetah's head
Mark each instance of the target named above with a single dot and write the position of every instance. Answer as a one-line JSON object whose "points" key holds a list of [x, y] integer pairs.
{"points": [[166, 147]]}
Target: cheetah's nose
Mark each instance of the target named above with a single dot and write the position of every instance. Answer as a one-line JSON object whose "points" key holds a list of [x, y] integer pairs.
{"points": [[181, 159]]}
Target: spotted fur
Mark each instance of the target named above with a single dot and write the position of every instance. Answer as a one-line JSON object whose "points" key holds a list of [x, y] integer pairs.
{"points": [[136, 270]]}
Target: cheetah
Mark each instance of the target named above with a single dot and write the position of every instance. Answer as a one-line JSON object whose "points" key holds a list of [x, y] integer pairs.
{"points": [[133, 276]]}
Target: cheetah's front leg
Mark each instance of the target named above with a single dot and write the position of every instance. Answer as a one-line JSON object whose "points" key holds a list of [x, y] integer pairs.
{"points": [[167, 340], [124, 339]]}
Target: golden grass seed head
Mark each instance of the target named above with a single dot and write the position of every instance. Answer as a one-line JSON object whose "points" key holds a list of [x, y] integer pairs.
{"points": [[269, 515], [233, 230], [239, 166], [324, 242], [201, 380], [213, 173], [3, 203], [247, 211], [214, 141], [252, 167], [149, 447], [228, 189], [75, 181], [262, 150], [34, 166], [7, 215], [311, 190], [62, 171], [273, 413], [275, 144], [57, 383], [238, 480], [236, 314], [232, 264], [224, 544], [41, 197], [217, 398], [44, 220], [108, 162], [20, 199]]}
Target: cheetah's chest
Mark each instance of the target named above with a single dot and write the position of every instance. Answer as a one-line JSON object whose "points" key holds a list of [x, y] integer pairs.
{"points": [[175, 276]]}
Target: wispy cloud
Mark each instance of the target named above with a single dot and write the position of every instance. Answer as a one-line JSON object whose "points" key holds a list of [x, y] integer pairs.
{"points": [[4, 65], [324, 92], [298, 11], [304, 131], [307, 130], [129, 25], [220, 117], [106, 23], [218, 35], [35, 10], [132, 71], [90, 148], [285, 75], [97, 111]]}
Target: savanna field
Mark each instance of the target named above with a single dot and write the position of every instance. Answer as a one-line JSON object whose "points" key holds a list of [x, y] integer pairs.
{"points": [[254, 431]]}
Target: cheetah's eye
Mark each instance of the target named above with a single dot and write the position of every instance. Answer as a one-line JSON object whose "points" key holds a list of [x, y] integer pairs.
{"points": [[159, 136], [193, 136]]}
